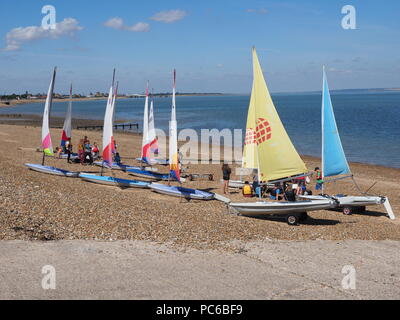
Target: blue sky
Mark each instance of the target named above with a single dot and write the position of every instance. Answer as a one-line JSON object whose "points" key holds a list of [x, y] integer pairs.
{"points": [[208, 42]]}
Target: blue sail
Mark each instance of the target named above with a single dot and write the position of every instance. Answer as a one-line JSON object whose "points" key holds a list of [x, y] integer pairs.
{"points": [[334, 161]]}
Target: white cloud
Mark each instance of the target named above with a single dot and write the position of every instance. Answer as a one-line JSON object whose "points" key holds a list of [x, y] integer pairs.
{"points": [[169, 16], [118, 24], [18, 36], [140, 27], [115, 23]]}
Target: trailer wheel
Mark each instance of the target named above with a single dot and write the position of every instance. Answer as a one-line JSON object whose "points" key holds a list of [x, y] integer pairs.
{"points": [[292, 219], [347, 211], [303, 216]]}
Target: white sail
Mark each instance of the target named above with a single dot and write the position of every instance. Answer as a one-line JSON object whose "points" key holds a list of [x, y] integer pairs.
{"points": [[107, 130], [152, 138], [173, 138], [66, 134], [145, 139], [46, 138], [113, 116]]}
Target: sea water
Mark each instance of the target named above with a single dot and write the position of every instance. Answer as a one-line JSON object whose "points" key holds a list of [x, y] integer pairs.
{"points": [[368, 123]]}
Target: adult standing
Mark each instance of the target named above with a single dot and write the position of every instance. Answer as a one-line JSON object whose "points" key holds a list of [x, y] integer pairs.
{"points": [[226, 176]]}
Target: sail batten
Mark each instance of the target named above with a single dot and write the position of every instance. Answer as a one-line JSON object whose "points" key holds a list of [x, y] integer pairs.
{"points": [[276, 156], [334, 161]]}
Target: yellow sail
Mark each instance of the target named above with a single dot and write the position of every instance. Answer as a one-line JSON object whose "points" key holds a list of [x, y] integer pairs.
{"points": [[249, 159], [277, 157]]}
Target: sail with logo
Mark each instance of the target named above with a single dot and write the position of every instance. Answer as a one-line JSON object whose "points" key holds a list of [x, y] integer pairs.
{"points": [[268, 146]]}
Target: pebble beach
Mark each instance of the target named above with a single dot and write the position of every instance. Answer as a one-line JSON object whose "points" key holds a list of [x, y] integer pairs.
{"points": [[36, 206]]}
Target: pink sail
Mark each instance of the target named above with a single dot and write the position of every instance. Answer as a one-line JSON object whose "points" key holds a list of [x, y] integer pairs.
{"points": [[152, 138], [47, 146], [146, 157], [107, 128]]}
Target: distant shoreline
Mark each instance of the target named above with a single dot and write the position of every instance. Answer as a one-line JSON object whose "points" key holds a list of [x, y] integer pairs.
{"points": [[14, 102]]}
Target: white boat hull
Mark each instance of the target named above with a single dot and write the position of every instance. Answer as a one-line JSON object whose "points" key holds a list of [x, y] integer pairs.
{"points": [[280, 207], [344, 202], [182, 192], [52, 170], [351, 201]]}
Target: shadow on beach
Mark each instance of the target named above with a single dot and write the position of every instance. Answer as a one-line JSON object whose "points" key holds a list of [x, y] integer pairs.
{"points": [[309, 221]]}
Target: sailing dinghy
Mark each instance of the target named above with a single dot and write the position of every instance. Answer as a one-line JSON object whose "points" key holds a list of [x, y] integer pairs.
{"points": [[67, 128], [269, 149], [108, 148], [334, 162], [149, 142], [47, 146], [174, 170]]}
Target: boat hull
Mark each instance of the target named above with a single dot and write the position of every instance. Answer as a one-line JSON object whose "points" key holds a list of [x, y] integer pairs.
{"points": [[52, 170], [148, 174], [123, 167], [280, 207], [111, 181], [351, 201], [162, 162], [186, 193]]}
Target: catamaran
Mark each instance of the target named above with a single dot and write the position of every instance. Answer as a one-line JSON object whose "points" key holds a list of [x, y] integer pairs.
{"points": [[334, 162], [269, 149], [174, 170], [47, 146]]}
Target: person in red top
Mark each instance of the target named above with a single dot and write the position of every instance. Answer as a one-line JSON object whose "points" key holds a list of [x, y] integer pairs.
{"points": [[95, 150]]}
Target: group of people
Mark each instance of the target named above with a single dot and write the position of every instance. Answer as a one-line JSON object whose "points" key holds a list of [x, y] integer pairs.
{"points": [[87, 152], [276, 192], [287, 190]]}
